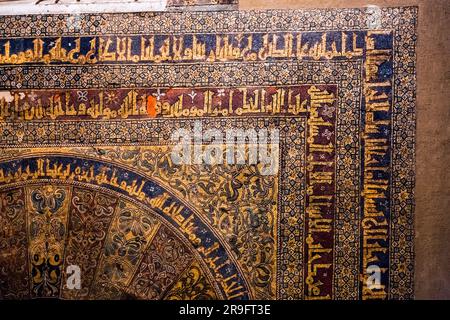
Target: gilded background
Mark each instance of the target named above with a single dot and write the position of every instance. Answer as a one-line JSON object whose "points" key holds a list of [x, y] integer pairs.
{"points": [[231, 81]]}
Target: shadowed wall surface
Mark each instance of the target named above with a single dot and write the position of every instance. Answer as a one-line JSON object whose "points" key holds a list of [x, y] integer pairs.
{"points": [[432, 216]]}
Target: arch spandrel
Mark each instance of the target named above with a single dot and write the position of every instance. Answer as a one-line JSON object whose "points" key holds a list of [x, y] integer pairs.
{"points": [[212, 256]]}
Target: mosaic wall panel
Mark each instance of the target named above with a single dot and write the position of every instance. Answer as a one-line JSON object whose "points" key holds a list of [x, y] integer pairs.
{"points": [[88, 181]]}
